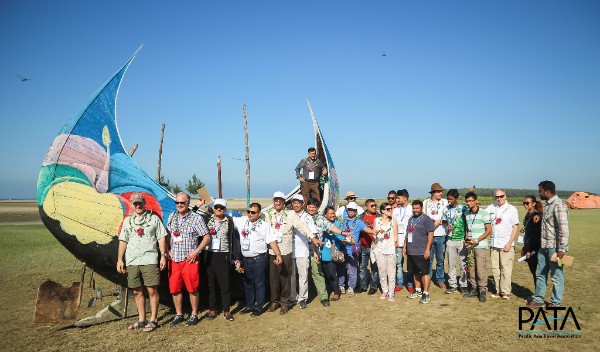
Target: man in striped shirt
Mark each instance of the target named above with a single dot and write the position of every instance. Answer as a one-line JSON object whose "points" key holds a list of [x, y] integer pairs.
{"points": [[478, 230], [555, 240]]}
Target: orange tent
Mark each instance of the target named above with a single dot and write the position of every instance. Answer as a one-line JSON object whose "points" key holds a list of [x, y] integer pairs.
{"points": [[583, 200]]}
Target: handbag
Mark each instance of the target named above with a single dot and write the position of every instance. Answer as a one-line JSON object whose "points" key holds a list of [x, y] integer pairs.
{"points": [[336, 255]]}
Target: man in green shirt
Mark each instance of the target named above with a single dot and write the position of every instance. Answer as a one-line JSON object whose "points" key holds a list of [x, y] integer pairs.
{"points": [[140, 233], [453, 219], [479, 228]]}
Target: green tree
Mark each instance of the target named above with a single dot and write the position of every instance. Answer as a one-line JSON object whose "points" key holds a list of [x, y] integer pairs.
{"points": [[176, 189], [194, 184]]}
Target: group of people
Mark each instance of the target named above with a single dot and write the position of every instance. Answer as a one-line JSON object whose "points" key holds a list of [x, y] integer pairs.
{"points": [[345, 250]]}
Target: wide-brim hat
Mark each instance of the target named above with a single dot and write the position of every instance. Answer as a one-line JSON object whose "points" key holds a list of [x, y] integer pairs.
{"points": [[350, 194], [436, 187]]}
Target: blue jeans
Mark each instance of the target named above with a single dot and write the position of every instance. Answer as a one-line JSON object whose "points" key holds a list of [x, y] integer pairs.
{"points": [[438, 248], [399, 268], [541, 277], [254, 281], [365, 258]]}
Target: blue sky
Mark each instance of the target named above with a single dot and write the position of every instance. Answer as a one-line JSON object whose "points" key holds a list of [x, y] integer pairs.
{"points": [[493, 94]]}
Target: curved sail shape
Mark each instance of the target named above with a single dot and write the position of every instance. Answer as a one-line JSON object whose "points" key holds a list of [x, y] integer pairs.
{"points": [[331, 189], [87, 178]]}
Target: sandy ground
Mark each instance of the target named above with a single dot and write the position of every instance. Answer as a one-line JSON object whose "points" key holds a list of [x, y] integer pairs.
{"points": [[448, 322]]}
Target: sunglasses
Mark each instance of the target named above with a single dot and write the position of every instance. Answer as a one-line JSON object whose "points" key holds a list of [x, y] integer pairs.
{"points": [[252, 212], [372, 205], [180, 203], [391, 197], [388, 209], [526, 203], [219, 207], [500, 197], [351, 198], [138, 204]]}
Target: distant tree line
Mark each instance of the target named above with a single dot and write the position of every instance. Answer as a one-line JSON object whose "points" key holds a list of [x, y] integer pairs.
{"points": [[192, 186], [510, 192]]}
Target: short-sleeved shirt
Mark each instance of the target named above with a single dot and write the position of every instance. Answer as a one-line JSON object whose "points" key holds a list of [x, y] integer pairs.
{"points": [[190, 228], [503, 218], [369, 219], [342, 213], [434, 211], [142, 245], [254, 236], [283, 225], [476, 225], [301, 242], [219, 241], [422, 224], [455, 216], [355, 226], [402, 215], [330, 240]]}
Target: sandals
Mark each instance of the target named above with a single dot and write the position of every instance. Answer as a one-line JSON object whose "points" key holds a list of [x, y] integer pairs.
{"points": [[151, 326], [137, 325]]}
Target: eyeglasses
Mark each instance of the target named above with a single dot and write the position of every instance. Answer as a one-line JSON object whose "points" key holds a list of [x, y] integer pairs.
{"points": [[252, 212], [180, 203], [388, 209], [501, 196], [526, 203], [219, 207]]}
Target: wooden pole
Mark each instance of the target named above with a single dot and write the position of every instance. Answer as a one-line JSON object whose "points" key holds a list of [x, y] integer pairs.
{"points": [[162, 136], [133, 149], [247, 160], [219, 176]]}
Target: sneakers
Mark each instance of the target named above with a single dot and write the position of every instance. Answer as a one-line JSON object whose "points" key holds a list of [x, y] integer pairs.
{"points": [[391, 297], [342, 289], [192, 321], [482, 296], [424, 299], [372, 291], [471, 294], [178, 319], [410, 289], [494, 295], [398, 288], [505, 296], [211, 315], [350, 292], [382, 295], [303, 304], [228, 316], [414, 295], [325, 303], [451, 290]]}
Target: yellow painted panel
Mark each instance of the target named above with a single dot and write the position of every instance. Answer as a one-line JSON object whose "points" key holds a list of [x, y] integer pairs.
{"points": [[84, 213]]}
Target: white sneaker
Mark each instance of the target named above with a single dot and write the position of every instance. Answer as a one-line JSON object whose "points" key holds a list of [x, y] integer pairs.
{"points": [[342, 289], [391, 297], [350, 292], [383, 296]]}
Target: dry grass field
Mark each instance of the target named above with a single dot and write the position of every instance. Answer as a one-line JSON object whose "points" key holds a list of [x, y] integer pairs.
{"points": [[29, 254]]}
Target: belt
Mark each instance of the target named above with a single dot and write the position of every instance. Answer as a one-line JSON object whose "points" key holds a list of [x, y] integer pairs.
{"points": [[262, 255]]}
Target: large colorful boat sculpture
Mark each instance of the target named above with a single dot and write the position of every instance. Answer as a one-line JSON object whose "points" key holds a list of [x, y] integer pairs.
{"points": [[87, 178]]}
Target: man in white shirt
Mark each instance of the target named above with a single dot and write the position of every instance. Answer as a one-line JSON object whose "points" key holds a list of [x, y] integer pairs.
{"points": [[434, 207], [300, 254], [402, 213], [255, 236], [505, 225]]}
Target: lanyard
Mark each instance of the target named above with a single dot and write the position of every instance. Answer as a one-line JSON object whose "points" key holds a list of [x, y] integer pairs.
{"points": [[412, 223], [474, 217], [353, 226]]}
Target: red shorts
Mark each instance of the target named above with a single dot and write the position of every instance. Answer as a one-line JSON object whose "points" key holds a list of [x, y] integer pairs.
{"points": [[183, 272]]}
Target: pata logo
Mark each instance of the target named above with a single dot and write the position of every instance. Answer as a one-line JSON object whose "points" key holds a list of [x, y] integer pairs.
{"points": [[551, 322]]}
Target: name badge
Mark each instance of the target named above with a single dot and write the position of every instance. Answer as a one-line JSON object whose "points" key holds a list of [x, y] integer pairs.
{"points": [[409, 237], [311, 175], [245, 244], [215, 244], [279, 237], [328, 244]]}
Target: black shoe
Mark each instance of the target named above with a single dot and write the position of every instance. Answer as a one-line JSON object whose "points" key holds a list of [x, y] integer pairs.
{"points": [[358, 290], [228, 316], [246, 310], [471, 294], [325, 303], [192, 321], [303, 304], [372, 291], [482, 296], [178, 319], [211, 315], [256, 313]]}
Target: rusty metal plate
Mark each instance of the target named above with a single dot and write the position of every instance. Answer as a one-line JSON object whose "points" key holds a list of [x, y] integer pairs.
{"points": [[56, 303]]}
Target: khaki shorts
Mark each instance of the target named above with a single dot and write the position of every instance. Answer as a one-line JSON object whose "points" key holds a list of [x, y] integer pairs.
{"points": [[147, 275]]}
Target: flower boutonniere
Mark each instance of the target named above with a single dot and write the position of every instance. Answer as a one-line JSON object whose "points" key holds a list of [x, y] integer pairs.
{"points": [[498, 221], [176, 233], [386, 236], [411, 228], [212, 231], [433, 212], [310, 169], [277, 225], [140, 231], [244, 233]]}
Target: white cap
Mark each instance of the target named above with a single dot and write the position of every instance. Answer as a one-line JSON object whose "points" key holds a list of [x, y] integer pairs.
{"points": [[278, 195], [220, 201], [298, 196], [352, 205]]}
